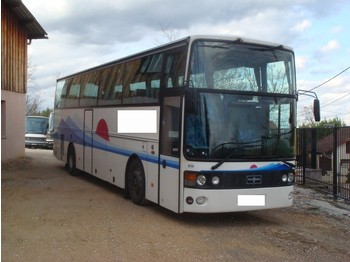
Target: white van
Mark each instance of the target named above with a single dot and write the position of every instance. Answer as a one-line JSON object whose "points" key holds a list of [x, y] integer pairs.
{"points": [[36, 132]]}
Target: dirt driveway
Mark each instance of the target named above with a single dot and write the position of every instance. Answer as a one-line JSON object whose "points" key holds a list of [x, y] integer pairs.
{"points": [[48, 215]]}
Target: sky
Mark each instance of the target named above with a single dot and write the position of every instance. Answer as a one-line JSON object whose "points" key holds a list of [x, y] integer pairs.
{"points": [[83, 34]]}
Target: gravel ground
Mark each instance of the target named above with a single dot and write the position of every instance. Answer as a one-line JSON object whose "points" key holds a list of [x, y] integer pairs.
{"points": [[48, 215]]}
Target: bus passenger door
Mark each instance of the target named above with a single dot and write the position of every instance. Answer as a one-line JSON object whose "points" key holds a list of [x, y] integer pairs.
{"points": [[169, 166], [87, 135]]}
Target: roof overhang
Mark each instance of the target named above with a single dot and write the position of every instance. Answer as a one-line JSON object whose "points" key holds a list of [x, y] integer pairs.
{"points": [[34, 29]]}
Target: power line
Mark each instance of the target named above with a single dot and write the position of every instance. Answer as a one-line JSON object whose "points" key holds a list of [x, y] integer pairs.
{"points": [[330, 79], [335, 100]]}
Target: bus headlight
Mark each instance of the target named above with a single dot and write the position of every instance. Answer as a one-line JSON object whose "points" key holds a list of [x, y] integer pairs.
{"points": [[201, 180], [284, 178], [290, 177], [215, 180]]}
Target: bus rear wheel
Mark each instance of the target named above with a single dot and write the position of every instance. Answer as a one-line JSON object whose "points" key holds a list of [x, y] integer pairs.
{"points": [[136, 183]]}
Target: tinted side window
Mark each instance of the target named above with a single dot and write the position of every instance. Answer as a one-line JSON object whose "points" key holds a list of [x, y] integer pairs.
{"points": [[90, 89], [175, 68], [60, 93], [142, 80], [73, 92], [111, 88]]}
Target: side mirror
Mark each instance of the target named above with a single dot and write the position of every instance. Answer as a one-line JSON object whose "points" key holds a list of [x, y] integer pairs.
{"points": [[317, 110]]}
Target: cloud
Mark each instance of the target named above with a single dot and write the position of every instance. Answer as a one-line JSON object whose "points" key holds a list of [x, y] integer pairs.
{"points": [[84, 33], [325, 53], [302, 26], [330, 46]]}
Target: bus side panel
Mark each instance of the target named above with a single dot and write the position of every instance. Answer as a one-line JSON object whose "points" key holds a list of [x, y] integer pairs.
{"points": [[88, 141], [106, 165], [169, 183], [76, 137], [69, 129], [112, 150], [150, 151], [57, 148]]}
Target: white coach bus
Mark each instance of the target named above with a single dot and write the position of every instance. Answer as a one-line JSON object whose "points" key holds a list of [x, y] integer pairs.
{"points": [[203, 124]]}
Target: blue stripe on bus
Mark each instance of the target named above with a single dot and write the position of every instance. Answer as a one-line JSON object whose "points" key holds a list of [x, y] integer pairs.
{"points": [[269, 167], [69, 131], [78, 138]]}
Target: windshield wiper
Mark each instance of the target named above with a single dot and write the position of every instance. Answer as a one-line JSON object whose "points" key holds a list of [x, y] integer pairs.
{"points": [[267, 48], [233, 151]]}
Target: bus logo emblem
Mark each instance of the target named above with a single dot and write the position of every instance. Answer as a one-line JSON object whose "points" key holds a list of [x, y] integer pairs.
{"points": [[254, 180]]}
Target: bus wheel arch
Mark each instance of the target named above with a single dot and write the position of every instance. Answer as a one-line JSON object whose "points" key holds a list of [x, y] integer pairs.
{"points": [[135, 182], [71, 164]]}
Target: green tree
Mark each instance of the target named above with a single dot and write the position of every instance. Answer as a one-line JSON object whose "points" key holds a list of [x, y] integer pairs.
{"points": [[333, 122], [46, 112], [325, 127]]}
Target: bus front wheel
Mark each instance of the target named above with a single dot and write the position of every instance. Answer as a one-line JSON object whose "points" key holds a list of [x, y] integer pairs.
{"points": [[136, 182], [71, 162]]}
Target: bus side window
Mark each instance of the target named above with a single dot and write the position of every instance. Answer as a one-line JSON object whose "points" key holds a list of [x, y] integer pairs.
{"points": [[72, 99], [175, 69], [132, 82], [142, 80], [60, 96], [170, 134], [111, 85], [90, 90]]}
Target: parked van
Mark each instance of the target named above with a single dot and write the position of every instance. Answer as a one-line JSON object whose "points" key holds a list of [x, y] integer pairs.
{"points": [[36, 132]]}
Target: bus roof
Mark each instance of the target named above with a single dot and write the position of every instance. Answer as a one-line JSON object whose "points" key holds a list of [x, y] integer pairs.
{"points": [[240, 39], [183, 41]]}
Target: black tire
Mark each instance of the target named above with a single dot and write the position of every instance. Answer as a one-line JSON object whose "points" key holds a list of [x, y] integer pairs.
{"points": [[136, 183], [71, 161]]}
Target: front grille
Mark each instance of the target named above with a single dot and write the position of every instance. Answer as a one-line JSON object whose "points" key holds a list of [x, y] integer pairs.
{"points": [[43, 139], [245, 179]]}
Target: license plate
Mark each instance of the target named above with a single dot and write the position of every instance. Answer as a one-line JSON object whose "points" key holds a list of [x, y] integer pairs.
{"points": [[251, 200]]}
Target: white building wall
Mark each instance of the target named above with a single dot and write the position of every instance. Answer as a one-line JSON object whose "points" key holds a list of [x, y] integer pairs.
{"points": [[12, 124]]}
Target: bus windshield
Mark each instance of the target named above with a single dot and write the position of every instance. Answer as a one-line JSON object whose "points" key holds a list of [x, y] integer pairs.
{"points": [[240, 127], [241, 67], [240, 102]]}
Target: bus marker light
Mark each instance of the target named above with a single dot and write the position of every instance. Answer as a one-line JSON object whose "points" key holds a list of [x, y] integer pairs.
{"points": [[190, 179]]}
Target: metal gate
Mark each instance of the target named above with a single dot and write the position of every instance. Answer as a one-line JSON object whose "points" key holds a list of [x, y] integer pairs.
{"points": [[323, 160]]}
